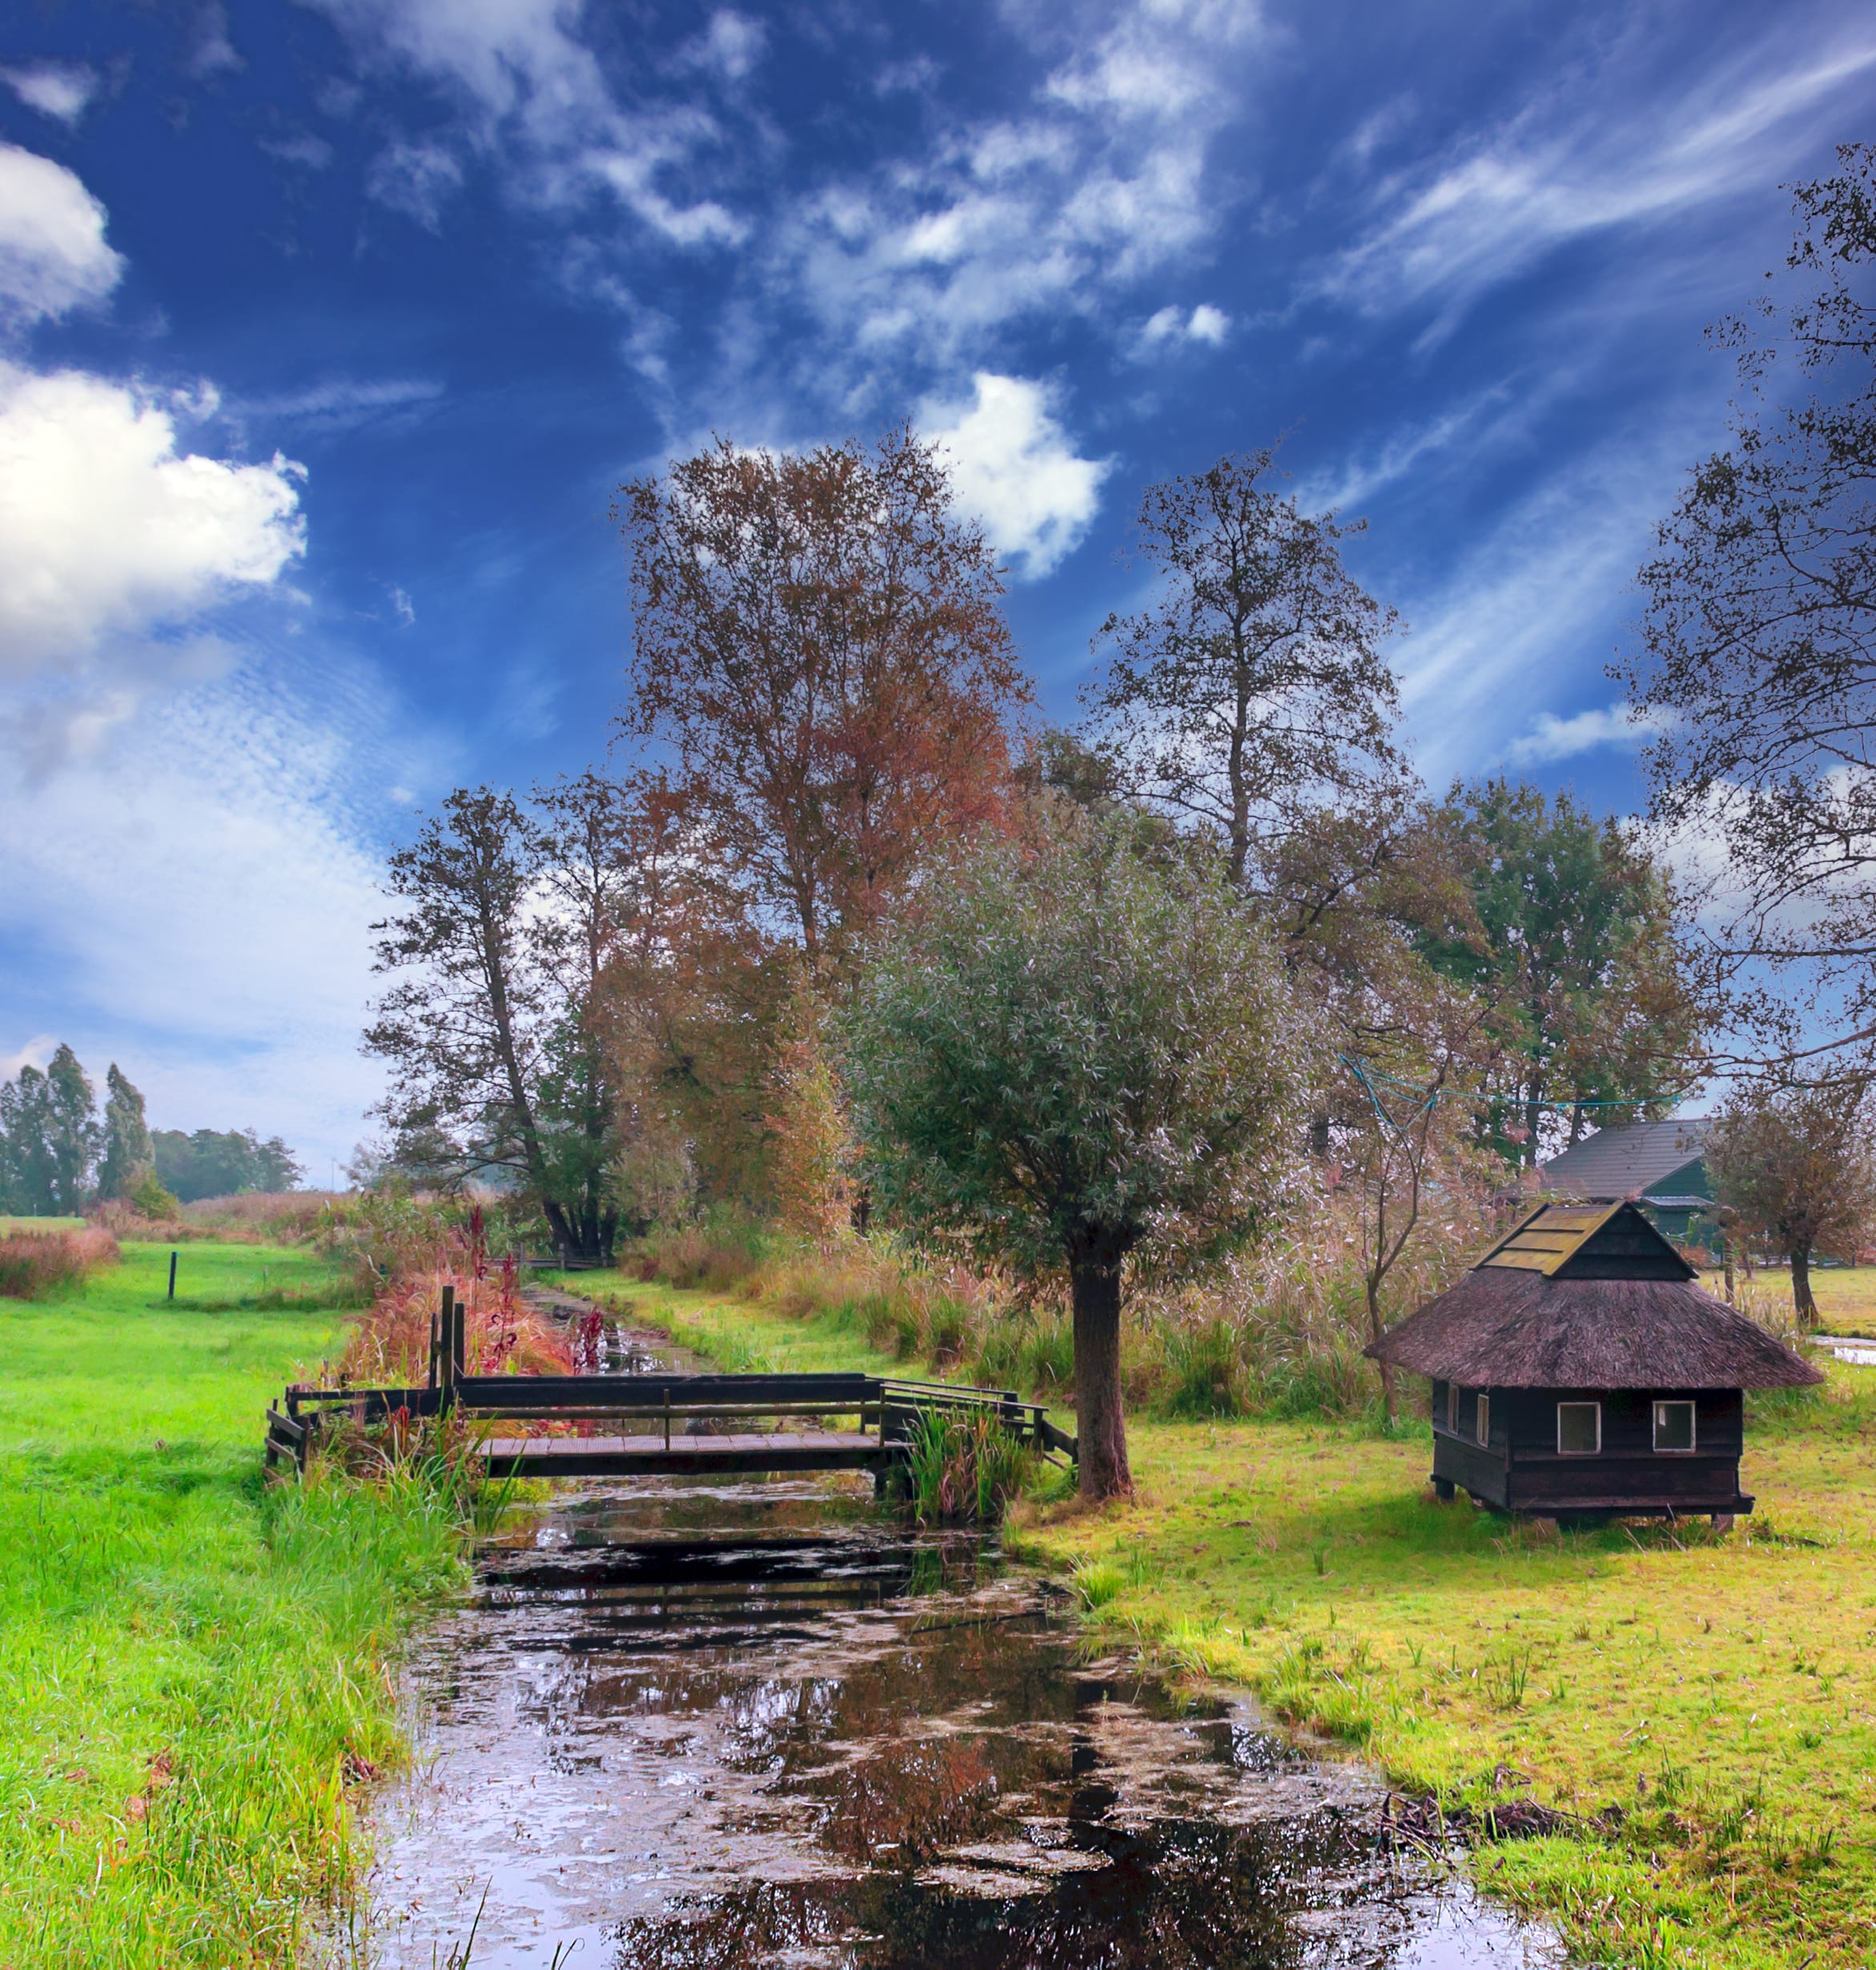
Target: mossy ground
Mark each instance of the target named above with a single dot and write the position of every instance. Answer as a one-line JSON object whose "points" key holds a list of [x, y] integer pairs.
{"points": [[192, 1664], [1706, 1708]]}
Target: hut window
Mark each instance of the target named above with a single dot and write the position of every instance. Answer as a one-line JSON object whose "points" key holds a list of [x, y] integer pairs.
{"points": [[1452, 1410], [1484, 1419], [1579, 1428], [1673, 1425]]}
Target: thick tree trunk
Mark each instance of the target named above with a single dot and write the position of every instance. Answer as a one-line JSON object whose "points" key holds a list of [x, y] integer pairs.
{"points": [[1801, 1291], [1094, 1282]]}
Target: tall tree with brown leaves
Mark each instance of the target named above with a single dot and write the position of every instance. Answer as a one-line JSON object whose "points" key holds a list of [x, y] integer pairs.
{"points": [[818, 639]]}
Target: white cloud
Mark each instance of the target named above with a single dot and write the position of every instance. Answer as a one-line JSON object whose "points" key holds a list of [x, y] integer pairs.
{"points": [[59, 88], [405, 609], [1564, 166], [1014, 467], [314, 153], [417, 180], [341, 403], [202, 895], [1539, 596], [52, 257], [106, 529], [1098, 179], [730, 46], [1171, 327], [37, 1052], [1552, 738], [535, 96]]}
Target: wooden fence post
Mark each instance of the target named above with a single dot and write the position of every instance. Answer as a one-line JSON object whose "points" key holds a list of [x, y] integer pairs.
{"points": [[459, 1346], [445, 1331]]}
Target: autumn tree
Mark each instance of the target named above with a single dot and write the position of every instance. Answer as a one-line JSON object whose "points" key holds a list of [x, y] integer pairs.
{"points": [[1793, 1166], [808, 1128], [1254, 685], [1572, 934], [1072, 1056], [1757, 665], [818, 640]]}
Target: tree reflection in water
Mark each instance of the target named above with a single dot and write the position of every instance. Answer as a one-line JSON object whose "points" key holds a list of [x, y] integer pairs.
{"points": [[725, 1727]]}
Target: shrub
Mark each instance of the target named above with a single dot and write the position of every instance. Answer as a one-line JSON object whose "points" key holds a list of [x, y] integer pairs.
{"points": [[34, 1264], [149, 1199]]}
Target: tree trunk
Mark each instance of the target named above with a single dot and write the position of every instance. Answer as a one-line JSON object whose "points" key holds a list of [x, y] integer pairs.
{"points": [[1094, 1283], [1731, 1280], [1801, 1290], [1373, 1289]]}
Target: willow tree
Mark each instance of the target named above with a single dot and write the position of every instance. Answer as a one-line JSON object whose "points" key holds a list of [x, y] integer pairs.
{"points": [[1073, 1054]]}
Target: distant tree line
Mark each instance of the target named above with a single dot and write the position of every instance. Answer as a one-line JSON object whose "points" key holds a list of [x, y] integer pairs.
{"points": [[59, 1155]]}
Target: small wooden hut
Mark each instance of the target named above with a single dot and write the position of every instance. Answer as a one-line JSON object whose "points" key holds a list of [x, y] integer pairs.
{"points": [[1579, 1372]]}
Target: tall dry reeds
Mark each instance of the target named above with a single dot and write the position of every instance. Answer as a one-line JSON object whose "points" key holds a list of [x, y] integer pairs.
{"points": [[419, 1254], [1278, 1331], [35, 1263]]}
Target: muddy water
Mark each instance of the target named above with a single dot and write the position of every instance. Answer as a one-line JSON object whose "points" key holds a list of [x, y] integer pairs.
{"points": [[705, 1723]]}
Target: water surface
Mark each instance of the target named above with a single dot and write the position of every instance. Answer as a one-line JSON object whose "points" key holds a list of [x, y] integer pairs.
{"points": [[694, 1723]]}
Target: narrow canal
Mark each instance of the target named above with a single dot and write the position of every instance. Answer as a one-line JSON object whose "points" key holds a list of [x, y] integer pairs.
{"points": [[701, 1723]]}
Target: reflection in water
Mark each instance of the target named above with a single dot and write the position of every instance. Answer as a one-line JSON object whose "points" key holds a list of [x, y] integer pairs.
{"points": [[707, 1723]]}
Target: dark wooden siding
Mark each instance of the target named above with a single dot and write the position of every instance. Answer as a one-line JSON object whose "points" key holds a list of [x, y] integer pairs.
{"points": [[1480, 1471], [1629, 1472]]}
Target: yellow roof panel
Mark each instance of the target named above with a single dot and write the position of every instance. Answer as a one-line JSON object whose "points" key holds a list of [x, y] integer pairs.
{"points": [[1541, 1242]]}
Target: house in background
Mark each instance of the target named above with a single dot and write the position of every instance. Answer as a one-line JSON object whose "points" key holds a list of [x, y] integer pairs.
{"points": [[1657, 1164]]}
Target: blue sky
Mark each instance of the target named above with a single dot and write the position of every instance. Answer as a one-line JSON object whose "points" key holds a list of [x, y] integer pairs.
{"points": [[327, 329]]}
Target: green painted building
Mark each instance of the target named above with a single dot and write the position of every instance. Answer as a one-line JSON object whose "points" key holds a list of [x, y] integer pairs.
{"points": [[1657, 1165]]}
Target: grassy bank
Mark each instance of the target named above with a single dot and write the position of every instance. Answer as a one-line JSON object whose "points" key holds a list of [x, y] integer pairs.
{"points": [[1705, 1712], [192, 1665]]}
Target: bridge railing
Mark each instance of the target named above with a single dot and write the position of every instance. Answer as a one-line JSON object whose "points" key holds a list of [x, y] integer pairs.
{"points": [[885, 1406]]}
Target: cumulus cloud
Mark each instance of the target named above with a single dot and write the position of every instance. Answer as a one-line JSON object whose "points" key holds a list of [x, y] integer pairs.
{"points": [[106, 529], [1552, 738], [1169, 326], [1016, 469], [59, 88], [53, 256]]}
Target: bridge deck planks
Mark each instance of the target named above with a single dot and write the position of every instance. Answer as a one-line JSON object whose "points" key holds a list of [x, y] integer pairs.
{"points": [[749, 1452]]}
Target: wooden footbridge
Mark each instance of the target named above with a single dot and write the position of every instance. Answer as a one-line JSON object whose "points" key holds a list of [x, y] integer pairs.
{"points": [[659, 1425]]}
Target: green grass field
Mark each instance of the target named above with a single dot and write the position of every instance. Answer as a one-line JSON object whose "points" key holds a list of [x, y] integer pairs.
{"points": [[1706, 1710], [192, 1666]]}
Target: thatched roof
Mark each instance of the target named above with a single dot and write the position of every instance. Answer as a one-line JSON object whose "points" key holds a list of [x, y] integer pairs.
{"points": [[1512, 1326]]}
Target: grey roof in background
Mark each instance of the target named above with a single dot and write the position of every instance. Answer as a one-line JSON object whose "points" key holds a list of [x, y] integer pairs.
{"points": [[1625, 1159]]}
